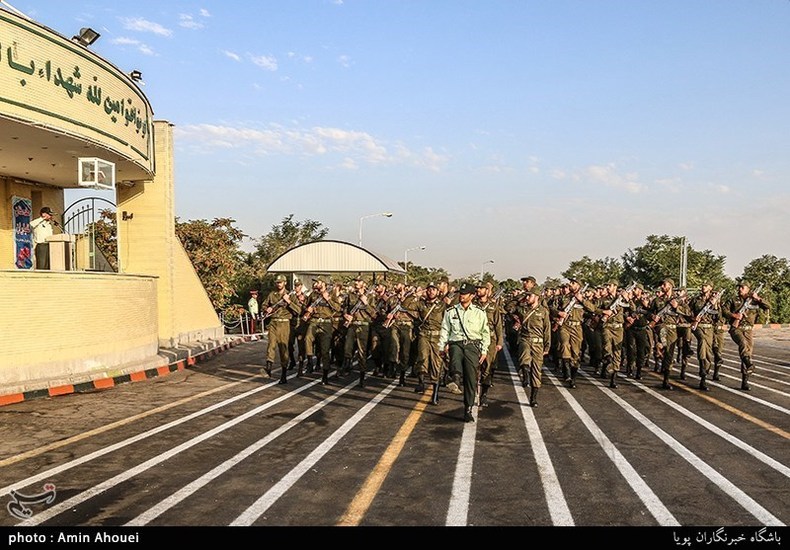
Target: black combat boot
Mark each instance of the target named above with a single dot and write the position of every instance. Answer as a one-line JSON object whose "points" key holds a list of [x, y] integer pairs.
{"points": [[468, 417], [745, 382], [361, 379], [665, 384], [566, 371], [703, 385], [420, 387], [402, 379], [455, 385], [266, 372], [572, 383], [300, 368], [283, 376], [613, 381], [524, 377], [716, 368], [533, 397], [638, 375], [325, 377], [311, 364], [484, 395], [683, 366], [435, 393]]}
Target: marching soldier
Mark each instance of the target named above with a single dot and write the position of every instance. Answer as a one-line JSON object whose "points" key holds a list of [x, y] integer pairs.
{"points": [[357, 315], [612, 314], [296, 344], [668, 310], [430, 364], [592, 329], [379, 334], [706, 308], [485, 301], [322, 307], [400, 322], [684, 337], [534, 329], [637, 333], [569, 315], [721, 326], [742, 313], [279, 308]]}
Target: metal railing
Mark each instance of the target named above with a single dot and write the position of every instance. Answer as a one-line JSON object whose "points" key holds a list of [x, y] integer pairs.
{"points": [[80, 217]]}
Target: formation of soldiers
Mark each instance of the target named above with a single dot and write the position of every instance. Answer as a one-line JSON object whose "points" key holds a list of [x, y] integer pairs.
{"points": [[394, 331]]}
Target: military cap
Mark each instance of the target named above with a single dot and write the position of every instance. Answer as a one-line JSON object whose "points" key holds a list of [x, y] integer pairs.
{"points": [[444, 279], [612, 282], [707, 283], [297, 282], [319, 279], [253, 291], [573, 280], [431, 285], [466, 288], [639, 286], [534, 290], [529, 278], [745, 282], [481, 284], [281, 279], [669, 281]]}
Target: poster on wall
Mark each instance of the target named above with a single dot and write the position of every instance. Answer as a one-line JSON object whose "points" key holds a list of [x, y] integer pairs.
{"points": [[23, 238]]}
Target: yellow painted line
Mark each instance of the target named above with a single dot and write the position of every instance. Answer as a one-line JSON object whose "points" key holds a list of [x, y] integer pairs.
{"points": [[56, 445], [362, 501], [729, 408]]}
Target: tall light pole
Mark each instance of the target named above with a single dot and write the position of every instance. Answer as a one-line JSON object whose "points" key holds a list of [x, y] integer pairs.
{"points": [[482, 266], [406, 262], [385, 214]]}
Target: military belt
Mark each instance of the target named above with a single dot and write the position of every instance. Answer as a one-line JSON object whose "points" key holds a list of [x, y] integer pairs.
{"points": [[431, 332], [671, 326], [572, 323], [317, 320], [533, 338], [465, 342], [614, 325], [742, 327], [280, 319], [360, 323], [403, 323], [705, 325]]}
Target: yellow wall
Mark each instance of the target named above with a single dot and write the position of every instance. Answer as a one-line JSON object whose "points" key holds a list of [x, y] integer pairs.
{"points": [[147, 244], [58, 325]]}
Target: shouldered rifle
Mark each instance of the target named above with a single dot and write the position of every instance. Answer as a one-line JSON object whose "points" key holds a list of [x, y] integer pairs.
{"points": [[359, 305], [618, 302], [664, 310], [311, 308], [707, 309], [568, 308], [395, 310], [278, 305], [747, 303]]}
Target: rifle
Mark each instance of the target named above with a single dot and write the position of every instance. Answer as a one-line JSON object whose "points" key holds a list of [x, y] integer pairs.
{"points": [[664, 311], [567, 309], [746, 305], [277, 306], [707, 309], [395, 310], [311, 307], [617, 303], [359, 305]]}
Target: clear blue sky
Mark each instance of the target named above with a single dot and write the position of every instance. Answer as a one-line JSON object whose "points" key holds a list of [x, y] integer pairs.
{"points": [[526, 132]]}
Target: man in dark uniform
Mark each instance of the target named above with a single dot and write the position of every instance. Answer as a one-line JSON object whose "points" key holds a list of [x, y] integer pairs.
{"points": [[400, 321], [742, 313], [637, 333], [379, 334]]}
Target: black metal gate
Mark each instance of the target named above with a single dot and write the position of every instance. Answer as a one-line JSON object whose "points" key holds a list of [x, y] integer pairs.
{"points": [[80, 218]]}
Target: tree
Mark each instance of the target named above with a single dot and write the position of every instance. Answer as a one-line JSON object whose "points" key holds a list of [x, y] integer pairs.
{"points": [[213, 248], [287, 235], [659, 258], [105, 235], [594, 272], [421, 276], [775, 274]]}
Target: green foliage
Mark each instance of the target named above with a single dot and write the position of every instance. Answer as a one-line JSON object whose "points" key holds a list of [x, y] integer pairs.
{"points": [[594, 272], [105, 235], [213, 248], [775, 274], [421, 276], [659, 258]]}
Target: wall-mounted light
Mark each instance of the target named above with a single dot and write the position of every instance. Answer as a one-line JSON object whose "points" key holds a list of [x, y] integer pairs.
{"points": [[136, 75], [86, 37], [126, 216]]}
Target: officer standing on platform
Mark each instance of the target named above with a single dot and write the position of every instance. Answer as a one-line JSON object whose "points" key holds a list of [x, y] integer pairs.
{"points": [[464, 337]]}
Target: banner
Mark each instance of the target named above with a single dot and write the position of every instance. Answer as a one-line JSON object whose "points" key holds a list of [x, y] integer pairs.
{"points": [[23, 237]]}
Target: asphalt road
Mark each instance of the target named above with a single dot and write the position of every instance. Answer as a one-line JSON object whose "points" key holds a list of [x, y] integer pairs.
{"points": [[217, 445]]}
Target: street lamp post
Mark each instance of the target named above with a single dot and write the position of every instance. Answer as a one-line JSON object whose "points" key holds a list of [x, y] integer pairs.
{"points": [[406, 262], [385, 214], [483, 266]]}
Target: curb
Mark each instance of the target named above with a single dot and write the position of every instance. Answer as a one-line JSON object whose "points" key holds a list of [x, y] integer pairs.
{"points": [[771, 326], [184, 359]]}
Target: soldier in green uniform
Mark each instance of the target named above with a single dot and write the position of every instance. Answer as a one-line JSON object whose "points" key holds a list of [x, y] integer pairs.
{"points": [[484, 300], [430, 364], [667, 310], [400, 321], [612, 314], [534, 328], [684, 336], [593, 329], [706, 308], [637, 333], [296, 344], [742, 314], [567, 327], [357, 314], [721, 327], [279, 308], [379, 334], [319, 313]]}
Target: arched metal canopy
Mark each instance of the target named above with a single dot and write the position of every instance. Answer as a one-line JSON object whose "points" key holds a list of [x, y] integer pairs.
{"points": [[332, 257]]}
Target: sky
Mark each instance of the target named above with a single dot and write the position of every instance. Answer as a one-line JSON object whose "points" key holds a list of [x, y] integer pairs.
{"points": [[515, 136]]}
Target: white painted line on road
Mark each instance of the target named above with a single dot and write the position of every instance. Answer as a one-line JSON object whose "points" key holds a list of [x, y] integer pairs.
{"points": [[762, 457], [458, 512], [763, 516], [555, 498], [167, 503], [129, 441], [651, 501], [271, 496], [128, 474]]}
